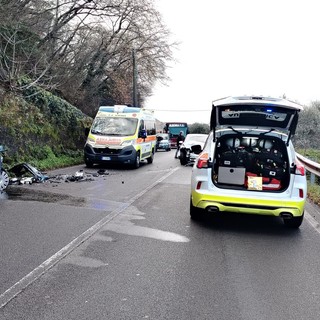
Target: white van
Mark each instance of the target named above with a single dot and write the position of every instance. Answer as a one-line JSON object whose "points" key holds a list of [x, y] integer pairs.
{"points": [[121, 134]]}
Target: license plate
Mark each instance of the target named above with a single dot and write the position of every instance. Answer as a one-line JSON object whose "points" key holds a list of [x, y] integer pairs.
{"points": [[106, 158]]}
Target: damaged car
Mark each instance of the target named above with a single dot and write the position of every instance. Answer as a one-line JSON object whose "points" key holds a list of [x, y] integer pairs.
{"points": [[25, 173], [248, 164], [191, 147]]}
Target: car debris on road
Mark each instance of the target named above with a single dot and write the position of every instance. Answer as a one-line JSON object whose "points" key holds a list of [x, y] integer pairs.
{"points": [[25, 173]]}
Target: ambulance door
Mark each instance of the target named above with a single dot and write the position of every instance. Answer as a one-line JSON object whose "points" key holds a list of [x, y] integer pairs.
{"points": [[145, 143]]}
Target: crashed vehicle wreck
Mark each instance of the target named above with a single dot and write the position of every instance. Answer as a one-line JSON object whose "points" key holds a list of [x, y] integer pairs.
{"points": [[25, 173]]}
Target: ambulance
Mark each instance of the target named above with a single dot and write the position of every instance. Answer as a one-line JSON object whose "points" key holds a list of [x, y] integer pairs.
{"points": [[121, 134]]}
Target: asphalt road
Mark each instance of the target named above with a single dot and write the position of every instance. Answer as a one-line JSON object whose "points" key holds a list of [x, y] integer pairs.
{"points": [[123, 247]]}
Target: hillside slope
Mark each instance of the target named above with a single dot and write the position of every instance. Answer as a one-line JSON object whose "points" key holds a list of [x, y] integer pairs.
{"points": [[38, 125]]}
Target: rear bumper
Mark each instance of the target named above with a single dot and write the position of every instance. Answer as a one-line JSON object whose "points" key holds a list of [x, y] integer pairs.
{"points": [[277, 208], [163, 147]]}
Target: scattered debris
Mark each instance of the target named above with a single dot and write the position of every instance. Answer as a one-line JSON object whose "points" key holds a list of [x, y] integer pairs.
{"points": [[26, 180], [79, 174], [24, 173], [77, 177], [14, 181]]}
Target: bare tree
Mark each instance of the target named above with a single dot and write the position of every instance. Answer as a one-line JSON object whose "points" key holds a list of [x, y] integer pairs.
{"points": [[83, 48]]}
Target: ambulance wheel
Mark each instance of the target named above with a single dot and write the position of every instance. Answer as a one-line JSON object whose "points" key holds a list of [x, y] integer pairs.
{"points": [[150, 159], [89, 164], [136, 163]]}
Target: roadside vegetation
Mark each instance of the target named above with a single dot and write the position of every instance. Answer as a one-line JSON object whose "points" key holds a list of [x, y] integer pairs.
{"points": [[199, 128], [41, 129], [307, 142], [313, 189]]}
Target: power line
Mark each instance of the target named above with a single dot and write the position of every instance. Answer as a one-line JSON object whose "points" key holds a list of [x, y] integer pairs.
{"points": [[172, 110]]}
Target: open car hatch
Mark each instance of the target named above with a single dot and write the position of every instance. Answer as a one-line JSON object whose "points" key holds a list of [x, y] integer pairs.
{"points": [[255, 112]]}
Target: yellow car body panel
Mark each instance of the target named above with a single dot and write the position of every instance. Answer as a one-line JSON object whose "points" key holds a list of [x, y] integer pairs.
{"points": [[248, 205]]}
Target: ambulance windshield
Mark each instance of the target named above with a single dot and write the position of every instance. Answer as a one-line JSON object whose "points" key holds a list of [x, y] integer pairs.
{"points": [[114, 126]]}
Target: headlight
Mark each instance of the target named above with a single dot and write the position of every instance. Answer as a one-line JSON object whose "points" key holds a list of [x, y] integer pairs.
{"points": [[127, 143], [90, 142]]}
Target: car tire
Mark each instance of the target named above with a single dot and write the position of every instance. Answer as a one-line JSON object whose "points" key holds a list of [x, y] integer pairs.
{"points": [[195, 213], [4, 180], [183, 158], [294, 222], [169, 149]]}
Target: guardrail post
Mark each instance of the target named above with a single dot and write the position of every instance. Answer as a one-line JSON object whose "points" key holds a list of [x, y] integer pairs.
{"points": [[312, 178]]}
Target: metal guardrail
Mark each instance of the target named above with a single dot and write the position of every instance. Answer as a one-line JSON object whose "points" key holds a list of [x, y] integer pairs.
{"points": [[311, 166]]}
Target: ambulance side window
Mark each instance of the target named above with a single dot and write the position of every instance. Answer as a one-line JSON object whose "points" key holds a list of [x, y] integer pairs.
{"points": [[142, 131], [141, 125], [150, 127]]}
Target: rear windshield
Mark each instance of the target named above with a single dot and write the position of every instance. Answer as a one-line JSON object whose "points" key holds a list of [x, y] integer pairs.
{"points": [[196, 138], [255, 115]]}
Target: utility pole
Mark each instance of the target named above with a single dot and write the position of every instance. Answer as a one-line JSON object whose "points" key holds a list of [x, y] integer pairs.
{"points": [[134, 80]]}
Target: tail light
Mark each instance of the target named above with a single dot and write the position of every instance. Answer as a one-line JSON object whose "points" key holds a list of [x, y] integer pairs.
{"points": [[301, 195], [198, 187], [300, 170], [203, 160]]}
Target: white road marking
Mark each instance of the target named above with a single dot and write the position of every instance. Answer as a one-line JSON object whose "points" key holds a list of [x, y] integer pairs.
{"points": [[23, 283], [312, 221]]}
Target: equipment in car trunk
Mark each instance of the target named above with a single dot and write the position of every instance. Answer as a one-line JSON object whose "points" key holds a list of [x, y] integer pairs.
{"points": [[271, 171], [255, 182], [270, 163], [231, 175], [258, 158], [236, 158], [232, 159]]}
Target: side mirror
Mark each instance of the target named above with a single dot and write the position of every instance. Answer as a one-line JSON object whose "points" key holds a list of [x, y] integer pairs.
{"points": [[143, 134], [196, 149]]}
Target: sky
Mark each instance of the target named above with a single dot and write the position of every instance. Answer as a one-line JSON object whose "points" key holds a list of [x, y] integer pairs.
{"points": [[237, 47]]}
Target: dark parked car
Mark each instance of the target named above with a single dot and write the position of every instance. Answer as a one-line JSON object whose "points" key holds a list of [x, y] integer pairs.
{"points": [[191, 147], [163, 142]]}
